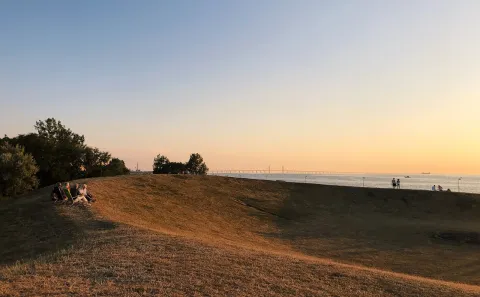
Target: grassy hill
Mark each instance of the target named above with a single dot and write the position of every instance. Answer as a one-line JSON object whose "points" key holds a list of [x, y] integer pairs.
{"points": [[205, 235]]}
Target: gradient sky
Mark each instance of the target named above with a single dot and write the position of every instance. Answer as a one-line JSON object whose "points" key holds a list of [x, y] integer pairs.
{"points": [[358, 86]]}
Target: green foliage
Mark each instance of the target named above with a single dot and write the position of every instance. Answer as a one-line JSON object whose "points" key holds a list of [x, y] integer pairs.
{"points": [[62, 155], [17, 169], [116, 167], [195, 165], [160, 165], [176, 168], [95, 162], [57, 150]]}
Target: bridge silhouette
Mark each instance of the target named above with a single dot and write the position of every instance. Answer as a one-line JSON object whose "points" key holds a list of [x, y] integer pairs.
{"points": [[277, 171]]}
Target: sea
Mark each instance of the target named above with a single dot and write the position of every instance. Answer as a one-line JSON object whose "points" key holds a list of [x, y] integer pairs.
{"points": [[456, 183]]}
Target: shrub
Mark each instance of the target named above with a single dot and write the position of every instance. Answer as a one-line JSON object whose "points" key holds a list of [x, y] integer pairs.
{"points": [[17, 170]]}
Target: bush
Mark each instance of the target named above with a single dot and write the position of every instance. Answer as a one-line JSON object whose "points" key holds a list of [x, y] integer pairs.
{"points": [[195, 165], [62, 155], [161, 165], [116, 167], [17, 170]]}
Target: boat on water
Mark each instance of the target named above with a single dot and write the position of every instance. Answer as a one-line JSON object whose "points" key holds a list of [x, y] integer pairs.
{"points": [[408, 176]]}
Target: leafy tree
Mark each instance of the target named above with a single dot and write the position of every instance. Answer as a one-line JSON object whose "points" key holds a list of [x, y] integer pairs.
{"points": [[62, 155], [176, 168], [40, 150], [95, 161], [58, 151], [160, 165], [17, 170], [196, 165], [116, 167]]}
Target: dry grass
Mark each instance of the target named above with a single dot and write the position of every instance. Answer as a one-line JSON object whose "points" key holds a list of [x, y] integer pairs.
{"points": [[184, 235]]}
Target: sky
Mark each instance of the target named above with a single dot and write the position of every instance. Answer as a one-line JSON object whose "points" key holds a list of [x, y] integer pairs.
{"points": [[348, 86]]}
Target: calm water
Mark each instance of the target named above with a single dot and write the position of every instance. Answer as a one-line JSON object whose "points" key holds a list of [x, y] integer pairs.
{"points": [[468, 183]]}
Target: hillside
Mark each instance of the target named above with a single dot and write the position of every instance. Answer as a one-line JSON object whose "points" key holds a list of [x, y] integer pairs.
{"points": [[206, 235]]}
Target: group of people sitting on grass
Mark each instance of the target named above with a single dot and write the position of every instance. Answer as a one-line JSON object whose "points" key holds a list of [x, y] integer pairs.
{"points": [[76, 194], [440, 188]]}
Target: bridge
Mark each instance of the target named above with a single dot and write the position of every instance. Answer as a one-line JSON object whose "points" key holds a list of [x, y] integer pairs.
{"points": [[277, 171]]}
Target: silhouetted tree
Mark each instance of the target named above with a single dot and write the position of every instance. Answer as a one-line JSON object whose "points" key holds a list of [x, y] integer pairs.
{"points": [[17, 170], [116, 167], [58, 151], [196, 165], [176, 168], [62, 155], [160, 165], [95, 162]]}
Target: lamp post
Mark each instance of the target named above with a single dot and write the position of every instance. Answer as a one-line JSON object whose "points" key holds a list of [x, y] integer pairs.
{"points": [[459, 183]]}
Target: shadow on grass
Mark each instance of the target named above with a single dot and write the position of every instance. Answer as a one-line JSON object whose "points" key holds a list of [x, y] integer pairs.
{"points": [[389, 229], [317, 211], [32, 226]]}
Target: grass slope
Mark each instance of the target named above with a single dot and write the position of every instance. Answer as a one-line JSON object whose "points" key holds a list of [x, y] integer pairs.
{"points": [[186, 235]]}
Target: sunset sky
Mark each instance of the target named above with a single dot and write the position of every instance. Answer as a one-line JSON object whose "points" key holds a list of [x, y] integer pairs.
{"points": [[357, 86]]}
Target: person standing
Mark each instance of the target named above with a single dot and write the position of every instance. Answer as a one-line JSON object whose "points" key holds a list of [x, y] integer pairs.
{"points": [[398, 183], [433, 188], [394, 183]]}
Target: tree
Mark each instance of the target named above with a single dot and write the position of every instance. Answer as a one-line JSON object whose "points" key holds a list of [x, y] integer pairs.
{"points": [[58, 151], [62, 155], [55, 132], [17, 170], [196, 165], [160, 165], [176, 168], [116, 167], [95, 162]]}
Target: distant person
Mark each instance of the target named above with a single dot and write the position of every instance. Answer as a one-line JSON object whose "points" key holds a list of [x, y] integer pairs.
{"points": [[448, 190], [440, 188], [74, 190], [88, 195], [66, 190], [394, 183], [433, 188], [398, 183], [57, 193], [81, 195]]}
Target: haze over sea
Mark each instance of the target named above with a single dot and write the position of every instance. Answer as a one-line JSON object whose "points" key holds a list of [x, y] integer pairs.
{"points": [[467, 183]]}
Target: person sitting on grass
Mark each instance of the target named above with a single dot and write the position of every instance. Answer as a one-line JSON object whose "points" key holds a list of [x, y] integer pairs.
{"points": [[74, 190], [66, 190], [57, 193], [88, 195], [81, 195]]}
